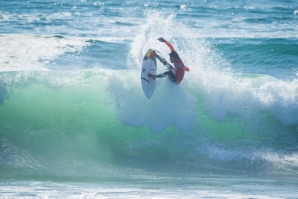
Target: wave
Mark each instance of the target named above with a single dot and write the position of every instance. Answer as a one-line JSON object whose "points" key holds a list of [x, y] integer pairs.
{"points": [[54, 121], [95, 122]]}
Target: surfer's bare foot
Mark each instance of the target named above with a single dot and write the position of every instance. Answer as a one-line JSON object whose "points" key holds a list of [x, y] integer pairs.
{"points": [[151, 76]]}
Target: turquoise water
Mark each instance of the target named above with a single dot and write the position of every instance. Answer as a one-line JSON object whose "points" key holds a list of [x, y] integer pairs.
{"points": [[74, 121]]}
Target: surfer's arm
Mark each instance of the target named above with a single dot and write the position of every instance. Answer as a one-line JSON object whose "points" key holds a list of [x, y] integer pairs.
{"points": [[167, 43], [170, 46]]}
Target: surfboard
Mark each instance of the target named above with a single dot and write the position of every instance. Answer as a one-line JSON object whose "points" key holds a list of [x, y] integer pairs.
{"points": [[148, 66]]}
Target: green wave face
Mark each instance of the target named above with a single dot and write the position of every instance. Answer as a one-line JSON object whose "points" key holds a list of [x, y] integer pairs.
{"points": [[90, 123]]}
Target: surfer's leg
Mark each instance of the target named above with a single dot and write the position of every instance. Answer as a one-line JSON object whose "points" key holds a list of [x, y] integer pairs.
{"points": [[171, 76]]}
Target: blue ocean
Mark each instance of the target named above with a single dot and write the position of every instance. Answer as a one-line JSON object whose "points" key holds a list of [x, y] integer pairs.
{"points": [[75, 123]]}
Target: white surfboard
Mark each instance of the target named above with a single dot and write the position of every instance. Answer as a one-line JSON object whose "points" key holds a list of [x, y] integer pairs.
{"points": [[148, 66]]}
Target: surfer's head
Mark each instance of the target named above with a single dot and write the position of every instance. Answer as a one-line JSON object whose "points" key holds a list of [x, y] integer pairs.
{"points": [[173, 56]]}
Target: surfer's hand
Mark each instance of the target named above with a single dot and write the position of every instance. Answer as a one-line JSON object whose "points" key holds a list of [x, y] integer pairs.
{"points": [[161, 39]]}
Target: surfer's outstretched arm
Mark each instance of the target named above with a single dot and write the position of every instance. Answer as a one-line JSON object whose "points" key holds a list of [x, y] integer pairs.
{"points": [[167, 43], [170, 46]]}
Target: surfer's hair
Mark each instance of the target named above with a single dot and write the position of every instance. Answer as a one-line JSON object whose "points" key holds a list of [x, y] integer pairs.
{"points": [[174, 54]]}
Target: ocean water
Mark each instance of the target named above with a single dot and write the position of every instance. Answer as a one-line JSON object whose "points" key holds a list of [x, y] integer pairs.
{"points": [[74, 122]]}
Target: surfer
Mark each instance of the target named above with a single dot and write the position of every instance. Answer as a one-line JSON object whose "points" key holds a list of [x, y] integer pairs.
{"points": [[176, 73]]}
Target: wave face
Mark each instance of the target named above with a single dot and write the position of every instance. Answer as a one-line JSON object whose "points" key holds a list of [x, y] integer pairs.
{"points": [[72, 107], [85, 122]]}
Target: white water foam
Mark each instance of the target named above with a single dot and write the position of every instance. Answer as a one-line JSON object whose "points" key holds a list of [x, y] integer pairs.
{"points": [[170, 105], [224, 92], [33, 52]]}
